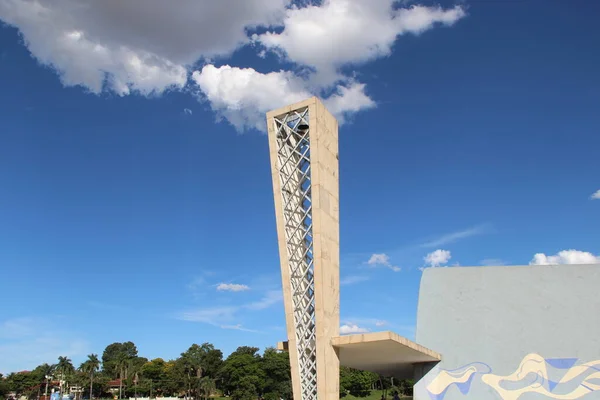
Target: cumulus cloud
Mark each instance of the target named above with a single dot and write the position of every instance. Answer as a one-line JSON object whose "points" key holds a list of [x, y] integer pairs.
{"points": [[149, 47], [243, 95], [565, 257], [595, 195], [338, 32], [437, 258], [377, 259], [347, 329], [187, 111], [134, 45], [232, 287], [381, 259]]}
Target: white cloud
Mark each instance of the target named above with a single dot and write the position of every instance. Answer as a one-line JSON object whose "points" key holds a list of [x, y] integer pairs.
{"points": [[226, 316], [347, 100], [380, 323], [382, 259], [17, 327], [238, 327], [143, 45], [377, 259], [347, 329], [210, 315], [187, 111], [437, 258], [232, 287], [244, 95], [23, 344], [595, 195], [340, 32], [270, 298], [352, 279], [455, 236], [565, 257], [149, 46]]}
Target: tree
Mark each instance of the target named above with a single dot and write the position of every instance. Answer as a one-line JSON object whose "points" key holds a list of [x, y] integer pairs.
{"points": [[112, 355], [242, 373], [20, 382], [158, 377], [155, 369], [195, 364], [206, 386], [245, 389], [121, 364], [89, 367], [276, 368], [134, 371], [212, 360], [44, 374], [245, 350], [3, 387], [356, 383], [65, 369]]}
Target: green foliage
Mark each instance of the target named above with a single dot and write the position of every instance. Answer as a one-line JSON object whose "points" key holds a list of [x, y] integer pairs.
{"points": [[403, 387], [198, 372], [246, 387], [242, 373], [3, 387], [115, 356], [376, 395], [27, 383], [356, 383], [155, 370], [89, 369], [276, 368]]}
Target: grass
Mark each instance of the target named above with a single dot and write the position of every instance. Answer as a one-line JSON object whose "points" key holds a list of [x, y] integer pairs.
{"points": [[375, 395]]}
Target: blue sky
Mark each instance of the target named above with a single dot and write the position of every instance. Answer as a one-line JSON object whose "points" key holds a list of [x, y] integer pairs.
{"points": [[136, 198]]}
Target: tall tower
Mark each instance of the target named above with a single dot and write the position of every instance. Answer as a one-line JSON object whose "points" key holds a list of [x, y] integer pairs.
{"points": [[303, 143]]}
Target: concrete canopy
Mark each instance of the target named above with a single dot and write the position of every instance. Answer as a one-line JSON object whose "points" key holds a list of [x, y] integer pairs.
{"points": [[384, 353]]}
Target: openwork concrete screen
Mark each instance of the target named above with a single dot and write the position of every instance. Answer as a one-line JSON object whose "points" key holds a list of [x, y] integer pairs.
{"points": [[303, 147], [293, 162]]}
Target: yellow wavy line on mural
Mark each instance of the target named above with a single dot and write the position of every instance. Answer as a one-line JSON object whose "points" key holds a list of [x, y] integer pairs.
{"points": [[578, 370], [594, 386], [534, 363], [445, 379]]}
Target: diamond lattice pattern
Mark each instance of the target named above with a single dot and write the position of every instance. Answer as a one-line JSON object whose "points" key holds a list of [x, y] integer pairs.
{"points": [[293, 156]]}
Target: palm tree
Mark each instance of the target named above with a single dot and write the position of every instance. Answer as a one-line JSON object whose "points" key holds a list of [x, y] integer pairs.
{"points": [[206, 386], [90, 366], [47, 371], [122, 364], [64, 368], [134, 369]]}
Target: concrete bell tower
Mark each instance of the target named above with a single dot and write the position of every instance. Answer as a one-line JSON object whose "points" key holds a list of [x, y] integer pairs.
{"points": [[303, 142]]}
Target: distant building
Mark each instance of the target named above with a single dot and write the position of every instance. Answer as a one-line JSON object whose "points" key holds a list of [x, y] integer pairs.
{"points": [[114, 385]]}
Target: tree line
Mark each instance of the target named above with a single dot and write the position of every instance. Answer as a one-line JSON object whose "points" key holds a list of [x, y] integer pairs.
{"points": [[200, 372]]}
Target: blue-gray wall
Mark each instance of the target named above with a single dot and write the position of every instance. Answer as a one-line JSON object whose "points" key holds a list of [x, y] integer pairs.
{"points": [[530, 332]]}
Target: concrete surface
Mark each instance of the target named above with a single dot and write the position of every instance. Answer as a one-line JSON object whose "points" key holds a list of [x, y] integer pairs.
{"points": [[525, 332]]}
